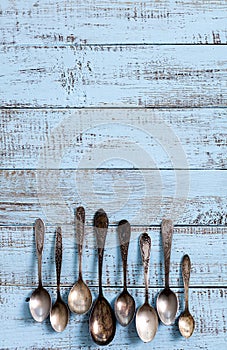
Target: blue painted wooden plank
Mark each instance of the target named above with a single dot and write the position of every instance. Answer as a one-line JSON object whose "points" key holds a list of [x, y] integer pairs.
{"points": [[117, 76], [111, 138], [208, 269]]}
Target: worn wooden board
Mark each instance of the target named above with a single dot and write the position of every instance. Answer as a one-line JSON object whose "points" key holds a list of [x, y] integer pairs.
{"points": [[74, 22], [127, 75], [142, 196], [208, 269], [207, 305], [113, 138]]}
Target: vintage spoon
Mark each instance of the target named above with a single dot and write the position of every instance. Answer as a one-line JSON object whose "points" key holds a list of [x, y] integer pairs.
{"points": [[80, 298], [102, 322], [40, 301], [124, 304], [59, 315], [146, 316], [167, 302], [186, 321]]}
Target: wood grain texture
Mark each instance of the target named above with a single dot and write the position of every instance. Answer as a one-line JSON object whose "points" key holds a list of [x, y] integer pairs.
{"points": [[47, 22], [155, 76], [140, 196], [83, 138], [208, 306], [208, 269]]}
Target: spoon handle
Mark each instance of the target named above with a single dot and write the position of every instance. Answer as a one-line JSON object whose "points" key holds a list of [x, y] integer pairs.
{"points": [[39, 237], [101, 223], [80, 222], [124, 234], [58, 257], [145, 249], [167, 234], [186, 268]]}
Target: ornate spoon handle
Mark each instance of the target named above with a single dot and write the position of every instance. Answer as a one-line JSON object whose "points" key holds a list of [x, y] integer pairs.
{"points": [[58, 257], [145, 249], [186, 268], [101, 223], [167, 234], [80, 222], [124, 233], [39, 237]]}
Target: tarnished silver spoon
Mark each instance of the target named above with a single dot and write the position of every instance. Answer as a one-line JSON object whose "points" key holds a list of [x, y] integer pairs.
{"points": [[124, 306], [186, 321], [102, 322], [80, 298], [167, 302], [59, 315], [40, 301], [146, 316]]}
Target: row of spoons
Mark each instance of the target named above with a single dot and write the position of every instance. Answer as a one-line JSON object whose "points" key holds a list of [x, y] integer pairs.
{"points": [[102, 321]]}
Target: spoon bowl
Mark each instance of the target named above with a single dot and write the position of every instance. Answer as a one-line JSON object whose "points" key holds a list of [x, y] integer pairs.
{"points": [[59, 316], [80, 298], [40, 304], [146, 322], [167, 306], [124, 308], [186, 324]]}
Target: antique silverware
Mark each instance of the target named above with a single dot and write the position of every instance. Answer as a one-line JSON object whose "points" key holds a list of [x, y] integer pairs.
{"points": [[59, 315], [80, 298], [102, 322], [124, 304], [40, 301], [146, 316], [167, 302], [186, 321]]}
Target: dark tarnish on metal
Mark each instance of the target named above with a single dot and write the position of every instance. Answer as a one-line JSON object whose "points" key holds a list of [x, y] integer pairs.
{"points": [[167, 234], [39, 237], [124, 234], [102, 322], [80, 222], [145, 249], [58, 257]]}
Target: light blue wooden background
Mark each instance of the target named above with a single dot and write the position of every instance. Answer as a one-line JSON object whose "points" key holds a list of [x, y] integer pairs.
{"points": [[120, 105]]}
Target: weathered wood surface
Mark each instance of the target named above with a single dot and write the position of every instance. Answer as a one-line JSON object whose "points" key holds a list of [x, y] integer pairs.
{"points": [[169, 138], [127, 75], [142, 196], [208, 269], [47, 22], [207, 305]]}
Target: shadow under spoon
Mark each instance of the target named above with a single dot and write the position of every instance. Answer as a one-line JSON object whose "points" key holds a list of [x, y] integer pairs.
{"points": [[80, 298], [59, 315], [146, 316], [186, 322], [40, 301], [102, 322], [167, 302], [124, 306]]}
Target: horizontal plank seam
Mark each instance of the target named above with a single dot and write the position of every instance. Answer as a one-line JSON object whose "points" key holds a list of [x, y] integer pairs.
{"points": [[58, 108], [136, 226], [118, 286], [112, 169]]}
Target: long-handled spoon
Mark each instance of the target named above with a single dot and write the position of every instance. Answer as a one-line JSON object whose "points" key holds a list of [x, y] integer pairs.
{"points": [[186, 321], [124, 304], [59, 315], [40, 301], [146, 316], [167, 302], [102, 322], [80, 298]]}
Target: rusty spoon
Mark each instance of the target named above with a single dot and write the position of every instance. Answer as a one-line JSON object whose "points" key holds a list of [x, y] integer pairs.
{"points": [[40, 301], [102, 322], [59, 315], [80, 298], [124, 306], [186, 321]]}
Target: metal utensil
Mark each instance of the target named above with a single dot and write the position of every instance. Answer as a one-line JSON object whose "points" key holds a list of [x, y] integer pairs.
{"points": [[186, 321], [40, 301], [102, 322], [124, 306], [59, 315], [146, 316], [167, 302], [80, 298]]}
